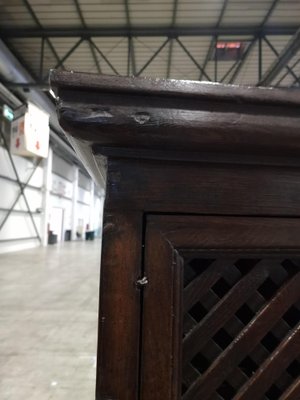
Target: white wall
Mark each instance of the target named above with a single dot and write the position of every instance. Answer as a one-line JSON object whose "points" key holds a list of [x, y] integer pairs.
{"points": [[83, 211], [18, 231], [98, 214]]}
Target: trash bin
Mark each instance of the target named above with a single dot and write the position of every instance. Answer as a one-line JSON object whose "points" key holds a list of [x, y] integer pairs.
{"points": [[68, 235], [52, 238], [89, 235]]}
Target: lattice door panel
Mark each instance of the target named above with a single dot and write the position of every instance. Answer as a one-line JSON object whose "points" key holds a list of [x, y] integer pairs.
{"points": [[241, 329]]}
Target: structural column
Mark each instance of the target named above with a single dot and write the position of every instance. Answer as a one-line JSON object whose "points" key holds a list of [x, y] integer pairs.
{"points": [[92, 207], [47, 183], [74, 201]]}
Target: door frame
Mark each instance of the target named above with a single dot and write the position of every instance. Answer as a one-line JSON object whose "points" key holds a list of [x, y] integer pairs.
{"points": [[166, 238]]}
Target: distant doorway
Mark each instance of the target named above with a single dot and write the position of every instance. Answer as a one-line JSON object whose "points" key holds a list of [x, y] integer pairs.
{"points": [[57, 222]]}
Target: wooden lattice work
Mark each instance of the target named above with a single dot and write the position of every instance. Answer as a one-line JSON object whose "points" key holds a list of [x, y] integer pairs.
{"points": [[241, 329]]}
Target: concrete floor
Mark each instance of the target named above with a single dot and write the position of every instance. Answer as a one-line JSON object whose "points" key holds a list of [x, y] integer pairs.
{"points": [[48, 322]]}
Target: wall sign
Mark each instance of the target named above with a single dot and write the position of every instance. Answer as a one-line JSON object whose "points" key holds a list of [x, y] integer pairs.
{"points": [[30, 133], [7, 113]]}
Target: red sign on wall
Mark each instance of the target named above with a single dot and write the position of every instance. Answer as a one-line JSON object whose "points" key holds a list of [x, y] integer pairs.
{"points": [[30, 133]]}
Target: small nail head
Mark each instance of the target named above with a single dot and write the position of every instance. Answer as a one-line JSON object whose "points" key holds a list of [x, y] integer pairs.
{"points": [[142, 282]]}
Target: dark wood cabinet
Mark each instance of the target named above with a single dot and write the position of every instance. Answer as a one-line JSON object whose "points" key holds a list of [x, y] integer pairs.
{"points": [[200, 278]]}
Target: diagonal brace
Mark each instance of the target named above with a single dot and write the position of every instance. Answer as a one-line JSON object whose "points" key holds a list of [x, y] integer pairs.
{"points": [[284, 58], [22, 187]]}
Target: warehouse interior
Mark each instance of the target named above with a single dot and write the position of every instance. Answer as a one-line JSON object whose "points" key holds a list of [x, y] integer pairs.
{"points": [[50, 207]]}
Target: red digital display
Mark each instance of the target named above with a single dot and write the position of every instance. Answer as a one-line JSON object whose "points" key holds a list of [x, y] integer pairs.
{"points": [[228, 45]]}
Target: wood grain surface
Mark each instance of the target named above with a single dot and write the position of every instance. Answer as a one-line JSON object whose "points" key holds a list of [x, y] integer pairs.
{"points": [[202, 206]]}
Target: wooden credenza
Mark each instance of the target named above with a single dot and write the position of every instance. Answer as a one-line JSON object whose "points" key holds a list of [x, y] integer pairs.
{"points": [[200, 278]]}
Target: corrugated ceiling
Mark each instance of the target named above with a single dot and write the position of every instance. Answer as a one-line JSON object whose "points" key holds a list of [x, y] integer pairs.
{"points": [[172, 39]]}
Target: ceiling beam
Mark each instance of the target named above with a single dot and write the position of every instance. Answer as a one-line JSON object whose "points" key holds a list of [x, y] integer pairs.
{"points": [[104, 57], [40, 26], [289, 69], [131, 61], [68, 54], [153, 57], [171, 44], [167, 31], [256, 37], [287, 72], [292, 47], [214, 39], [187, 52], [81, 17], [242, 61], [270, 12]]}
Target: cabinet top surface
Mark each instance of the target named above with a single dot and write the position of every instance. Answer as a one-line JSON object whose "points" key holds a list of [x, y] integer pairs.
{"points": [[172, 87]]}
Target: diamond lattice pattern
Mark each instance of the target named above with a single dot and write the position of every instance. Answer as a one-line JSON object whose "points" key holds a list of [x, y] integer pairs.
{"points": [[241, 329]]}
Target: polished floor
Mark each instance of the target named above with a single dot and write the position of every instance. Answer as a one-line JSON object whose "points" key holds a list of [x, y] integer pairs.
{"points": [[48, 322]]}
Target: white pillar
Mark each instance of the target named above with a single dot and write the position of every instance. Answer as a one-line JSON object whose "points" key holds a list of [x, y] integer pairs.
{"points": [[74, 201], [47, 183], [92, 207], [102, 199]]}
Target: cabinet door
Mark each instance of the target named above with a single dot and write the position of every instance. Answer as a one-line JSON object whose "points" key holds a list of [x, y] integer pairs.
{"points": [[221, 316]]}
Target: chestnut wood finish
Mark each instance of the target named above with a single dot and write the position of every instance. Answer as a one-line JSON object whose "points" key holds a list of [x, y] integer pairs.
{"points": [[200, 277], [118, 364], [234, 300]]}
